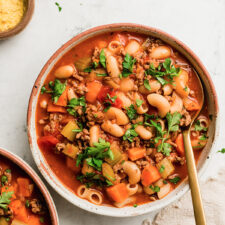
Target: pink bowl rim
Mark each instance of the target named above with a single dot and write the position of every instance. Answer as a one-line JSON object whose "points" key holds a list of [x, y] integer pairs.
{"points": [[118, 26], [33, 175]]}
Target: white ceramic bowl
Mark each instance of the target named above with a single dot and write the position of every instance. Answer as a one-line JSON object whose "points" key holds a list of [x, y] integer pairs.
{"points": [[51, 177]]}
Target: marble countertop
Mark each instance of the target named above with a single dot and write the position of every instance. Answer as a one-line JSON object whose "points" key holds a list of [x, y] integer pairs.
{"points": [[199, 24]]}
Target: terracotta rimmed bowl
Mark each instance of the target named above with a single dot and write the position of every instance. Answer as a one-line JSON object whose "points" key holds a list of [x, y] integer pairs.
{"points": [[205, 156], [33, 175], [22, 24]]}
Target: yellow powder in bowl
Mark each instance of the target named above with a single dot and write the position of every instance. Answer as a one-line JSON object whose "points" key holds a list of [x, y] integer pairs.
{"points": [[11, 13]]}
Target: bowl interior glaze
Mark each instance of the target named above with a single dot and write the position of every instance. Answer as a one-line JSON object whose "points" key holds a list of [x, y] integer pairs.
{"points": [[210, 95]]}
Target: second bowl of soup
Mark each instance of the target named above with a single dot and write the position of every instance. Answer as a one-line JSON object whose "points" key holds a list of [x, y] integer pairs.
{"points": [[106, 117]]}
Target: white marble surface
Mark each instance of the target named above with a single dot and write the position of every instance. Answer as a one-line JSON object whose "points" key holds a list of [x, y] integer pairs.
{"points": [[200, 24]]}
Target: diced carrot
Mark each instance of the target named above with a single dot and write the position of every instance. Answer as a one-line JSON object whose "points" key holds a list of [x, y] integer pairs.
{"points": [[9, 189], [71, 164], [62, 101], [34, 220], [47, 142], [93, 88], [55, 108], [191, 104], [136, 153], [24, 189], [118, 192], [150, 174], [19, 210], [180, 144]]}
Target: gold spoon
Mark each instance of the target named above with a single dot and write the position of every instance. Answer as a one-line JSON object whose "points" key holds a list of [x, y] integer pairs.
{"points": [[191, 167]]}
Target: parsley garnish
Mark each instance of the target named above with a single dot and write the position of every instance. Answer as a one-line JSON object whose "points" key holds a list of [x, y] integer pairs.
{"points": [[155, 188], [94, 155], [4, 179], [5, 199], [57, 88], [130, 133], [162, 168], [175, 180], [80, 128], [128, 64], [139, 102], [27, 203], [76, 102], [203, 137], [147, 85], [101, 74], [113, 99], [198, 126], [169, 71], [222, 150], [59, 7], [102, 58], [135, 205], [42, 220], [94, 65], [132, 112], [173, 121]]}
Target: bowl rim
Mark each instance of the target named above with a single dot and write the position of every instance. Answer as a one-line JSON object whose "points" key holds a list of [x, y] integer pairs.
{"points": [[22, 24], [37, 180], [140, 210]]}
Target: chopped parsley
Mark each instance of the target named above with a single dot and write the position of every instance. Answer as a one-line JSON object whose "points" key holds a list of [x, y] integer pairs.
{"points": [[113, 99], [199, 127], [95, 155], [162, 168], [102, 58], [135, 205], [155, 188], [173, 121], [27, 203], [128, 64], [4, 180], [147, 85], [169, 71], [76, 102], [94, 65], [132, 112], [222, 150], [130, 133], [80, 128], [5, 199], [57, 88], [42, 220], [139, 102], [175, 180], [203, 137], [59, 7], [101, 74]]}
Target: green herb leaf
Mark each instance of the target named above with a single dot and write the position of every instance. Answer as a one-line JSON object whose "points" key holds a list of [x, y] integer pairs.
{"points": [[155, 188], [101, 74], [130, 134], [222, 150], [57, 89], [139, 102], [42, 220], [27, 203], [102, 58], [135, 205], [173, 121], [147, 85], [113, 99], [59, 7], [132, 112], [175, 180], [165, 148], [76, 102], [162, 168], [203, 137], [5, 199], [4, 179], [128, 64], [198, 126]]}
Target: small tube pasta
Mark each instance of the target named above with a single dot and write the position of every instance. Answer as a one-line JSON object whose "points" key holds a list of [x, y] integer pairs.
{"points": [[94, 197], [177, 103], [94, 134], [126, 84], [113, 128], [112, 66], [132, 189], [129, 200], [117, 114], [114, 47]]}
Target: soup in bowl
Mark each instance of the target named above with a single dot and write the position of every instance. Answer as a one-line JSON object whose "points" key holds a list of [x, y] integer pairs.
{"points": [[108, 119], [24, 200]]}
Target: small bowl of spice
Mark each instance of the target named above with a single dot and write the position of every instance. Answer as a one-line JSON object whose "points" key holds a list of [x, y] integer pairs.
{"points": [[14, 16]]}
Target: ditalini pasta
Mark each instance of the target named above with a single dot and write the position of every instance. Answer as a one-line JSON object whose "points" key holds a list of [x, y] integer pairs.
{"points": [[110, 117]]}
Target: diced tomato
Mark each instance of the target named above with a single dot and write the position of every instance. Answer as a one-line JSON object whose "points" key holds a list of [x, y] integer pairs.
{"points": [[104, 94], [47, 142]]}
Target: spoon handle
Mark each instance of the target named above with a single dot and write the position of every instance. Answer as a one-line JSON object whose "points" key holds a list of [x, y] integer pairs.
{"points": [[193, 181]]}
